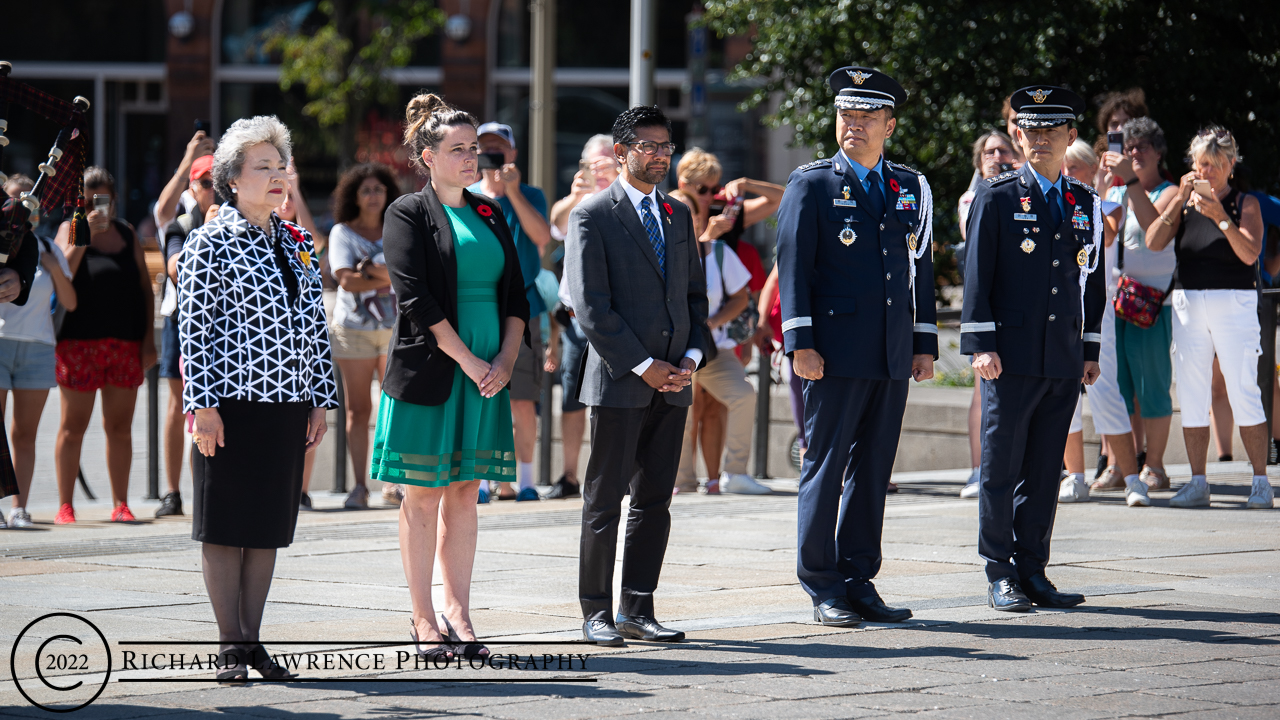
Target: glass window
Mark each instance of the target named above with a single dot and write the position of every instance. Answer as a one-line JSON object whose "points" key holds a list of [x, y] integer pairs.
{"points": [[590, 33], [246, 25], [62, 31]]}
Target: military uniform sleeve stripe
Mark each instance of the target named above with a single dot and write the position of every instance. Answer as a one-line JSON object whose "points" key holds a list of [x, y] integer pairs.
{"points": [[799, 322], [925, 328], [1093, 337], [977, 327]]}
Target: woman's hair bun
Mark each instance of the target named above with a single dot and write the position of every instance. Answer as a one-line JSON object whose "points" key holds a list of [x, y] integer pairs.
{"points": [[422, 107]]}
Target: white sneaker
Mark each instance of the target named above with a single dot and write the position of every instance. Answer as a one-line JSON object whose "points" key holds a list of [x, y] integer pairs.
{"points": [[19, 518], [1073, 490], [740, 484], [971, 489], [1262, 496], [1191, 495], [1135, 493]]}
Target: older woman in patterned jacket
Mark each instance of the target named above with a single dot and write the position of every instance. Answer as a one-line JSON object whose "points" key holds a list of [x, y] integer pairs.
{"points": [[258, 376]]}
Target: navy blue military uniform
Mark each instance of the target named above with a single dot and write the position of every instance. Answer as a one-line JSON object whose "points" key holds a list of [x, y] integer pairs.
{"points": [[1023, 301], [845, 275]]}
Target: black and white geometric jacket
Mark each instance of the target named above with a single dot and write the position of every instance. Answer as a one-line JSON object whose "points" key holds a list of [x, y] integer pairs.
{"points": [[239, 335]]}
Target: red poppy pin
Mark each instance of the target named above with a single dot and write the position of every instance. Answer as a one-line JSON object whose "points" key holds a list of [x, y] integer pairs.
{"points": [[893, 185], [667, 207], [1071, 199], [484, 210]]}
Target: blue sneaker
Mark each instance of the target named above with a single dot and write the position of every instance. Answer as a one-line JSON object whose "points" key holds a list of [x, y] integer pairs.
{"points": [[483, 497], [527, 494]]}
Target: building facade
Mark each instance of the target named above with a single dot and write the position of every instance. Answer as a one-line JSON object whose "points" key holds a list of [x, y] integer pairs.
{"points": [[151, 72]]}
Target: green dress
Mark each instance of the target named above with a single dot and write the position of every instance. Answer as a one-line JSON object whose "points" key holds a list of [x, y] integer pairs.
{"points": [[468, 437]]}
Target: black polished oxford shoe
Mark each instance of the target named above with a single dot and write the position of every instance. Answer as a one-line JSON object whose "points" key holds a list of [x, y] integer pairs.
{"points": [[601, 632], [1042, 592], [836, 612], [639, 627], [1006, 595], [871, 607]]}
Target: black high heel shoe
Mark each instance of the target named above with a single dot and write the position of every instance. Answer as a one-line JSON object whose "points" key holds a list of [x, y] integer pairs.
{"points": [[469, 649], [259, 659], [232, 668], [442, 651]]}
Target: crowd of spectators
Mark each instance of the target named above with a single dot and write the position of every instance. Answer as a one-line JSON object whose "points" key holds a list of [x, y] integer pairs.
{"points": [[1197, 243]]}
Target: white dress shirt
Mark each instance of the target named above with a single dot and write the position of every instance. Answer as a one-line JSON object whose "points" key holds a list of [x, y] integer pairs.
{"points": [[636, 196]]}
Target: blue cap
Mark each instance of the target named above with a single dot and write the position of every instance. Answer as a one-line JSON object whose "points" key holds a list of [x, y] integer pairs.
{"points": [[499, 129]]}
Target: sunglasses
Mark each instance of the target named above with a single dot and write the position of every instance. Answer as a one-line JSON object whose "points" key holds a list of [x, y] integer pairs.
{"points": [[205, 183], [705, 189]]}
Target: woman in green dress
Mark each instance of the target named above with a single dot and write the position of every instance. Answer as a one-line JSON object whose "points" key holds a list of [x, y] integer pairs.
{"points": [[444, 422]]}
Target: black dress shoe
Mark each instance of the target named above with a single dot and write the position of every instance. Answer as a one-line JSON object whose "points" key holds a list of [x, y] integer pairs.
{"points": [[1043, 593], [171, 504], [872, 608], [1005, 594], [601, 632], [639, 627], [836, 613], [562, 488]]}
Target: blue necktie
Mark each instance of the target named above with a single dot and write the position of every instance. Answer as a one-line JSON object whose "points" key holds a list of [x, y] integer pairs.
{"points": [[1055, 207], [655, 234], [876, 195]]}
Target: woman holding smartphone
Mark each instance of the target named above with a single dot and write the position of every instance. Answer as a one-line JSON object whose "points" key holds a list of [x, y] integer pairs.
{"points": [[1217, 235], [105, 344]]}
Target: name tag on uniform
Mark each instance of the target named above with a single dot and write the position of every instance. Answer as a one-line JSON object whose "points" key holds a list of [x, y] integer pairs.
{"points": [[841, 202], [1024, 217]]}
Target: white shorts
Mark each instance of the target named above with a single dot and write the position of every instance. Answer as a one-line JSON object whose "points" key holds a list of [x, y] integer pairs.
{"points": [[1110, 415], [1225, 323]]}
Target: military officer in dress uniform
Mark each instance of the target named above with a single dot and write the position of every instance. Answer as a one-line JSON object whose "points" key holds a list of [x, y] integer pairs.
{"points": [[1032, 322], [858, 319]]}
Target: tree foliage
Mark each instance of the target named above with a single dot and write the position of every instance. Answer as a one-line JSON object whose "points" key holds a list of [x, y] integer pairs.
{"points": [[958, 59], [343, 63]]}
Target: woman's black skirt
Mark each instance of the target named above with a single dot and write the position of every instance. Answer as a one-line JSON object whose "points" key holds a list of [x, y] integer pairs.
{"points": [[247, 494]]}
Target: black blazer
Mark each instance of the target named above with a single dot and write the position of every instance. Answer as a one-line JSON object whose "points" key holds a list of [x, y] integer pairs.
{"points": [[418, 245]]}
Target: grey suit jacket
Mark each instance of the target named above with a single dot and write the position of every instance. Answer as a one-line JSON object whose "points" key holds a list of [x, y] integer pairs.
{"points": [[626, 309]]}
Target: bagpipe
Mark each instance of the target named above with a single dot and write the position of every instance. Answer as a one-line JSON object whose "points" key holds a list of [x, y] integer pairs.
{"points": [[61, 179], [61, 182]]}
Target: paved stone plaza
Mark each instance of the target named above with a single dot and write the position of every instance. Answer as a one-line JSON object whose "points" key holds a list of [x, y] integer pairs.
{"points": [[1181, 619]]}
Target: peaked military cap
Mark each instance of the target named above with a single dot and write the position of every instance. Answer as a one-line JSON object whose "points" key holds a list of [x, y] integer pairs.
{"points": [[1042, 106], [862, 88]]}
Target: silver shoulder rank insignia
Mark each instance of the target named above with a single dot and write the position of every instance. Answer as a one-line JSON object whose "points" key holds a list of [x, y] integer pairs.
{"points": [[1040, 95], [1028, 245], [858, 77], [847, 236]]}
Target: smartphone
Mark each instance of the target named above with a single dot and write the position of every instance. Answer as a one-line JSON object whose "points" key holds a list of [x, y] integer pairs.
{"points": [[203, 125], [492, 161], [102, 203], [1115, 142], [1202, 187], [732, 208]]}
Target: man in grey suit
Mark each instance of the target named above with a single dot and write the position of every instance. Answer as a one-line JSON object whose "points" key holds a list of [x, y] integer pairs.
{"points": [[639, 293]]}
